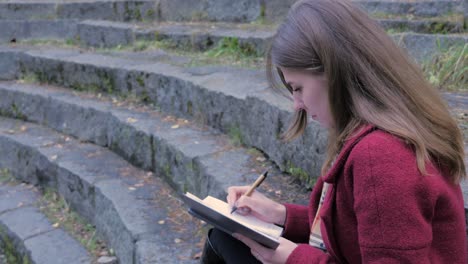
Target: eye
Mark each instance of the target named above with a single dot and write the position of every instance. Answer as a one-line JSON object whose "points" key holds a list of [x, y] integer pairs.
{"points": [[297, 89]]}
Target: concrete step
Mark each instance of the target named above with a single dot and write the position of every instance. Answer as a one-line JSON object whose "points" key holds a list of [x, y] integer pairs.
{"points": [[137, 214], [245, 108], [27, 236], [242, 11], [185, 154], [116, 10], [422, 47], [422, 26], [202, 36], [17, 30], [421, 8], [123, 202], [191, 36]]}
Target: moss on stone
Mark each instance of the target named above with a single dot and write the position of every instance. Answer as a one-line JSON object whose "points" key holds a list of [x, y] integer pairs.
{"points": [[8, 247], [17, 112], [140, 81], [300, 174], [235, 135]]}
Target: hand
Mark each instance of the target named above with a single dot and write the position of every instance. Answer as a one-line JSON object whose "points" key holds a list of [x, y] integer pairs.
{"points": [[267, 255], [257, 205]]}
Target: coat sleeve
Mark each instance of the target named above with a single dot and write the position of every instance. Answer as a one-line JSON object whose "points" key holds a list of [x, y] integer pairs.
{"points": [[296, 227]]}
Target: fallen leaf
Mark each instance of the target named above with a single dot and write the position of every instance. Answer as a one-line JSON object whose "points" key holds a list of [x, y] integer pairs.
{"points": [[260, 159], [131, 188], [198, 255], [132, 120], [161, 222], [23, 128], [175, 126], [177, 240], [54, 157], [56, 225]]}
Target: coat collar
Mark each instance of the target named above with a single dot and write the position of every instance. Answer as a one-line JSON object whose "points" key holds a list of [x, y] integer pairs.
{"points": [[340, 160]]}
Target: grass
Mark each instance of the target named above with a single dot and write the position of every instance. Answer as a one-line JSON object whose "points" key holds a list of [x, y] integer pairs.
{"points": [[449, 17], [235, 136], [59, 213], [29, 78], [448, 70], [6, 177], [229, 51], [300, 174]]}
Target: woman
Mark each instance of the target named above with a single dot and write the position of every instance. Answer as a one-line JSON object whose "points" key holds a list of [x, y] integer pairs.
{"points": [[389, 191]]}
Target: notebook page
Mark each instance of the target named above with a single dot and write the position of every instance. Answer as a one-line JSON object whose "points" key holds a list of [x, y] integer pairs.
{"points": [[248, 220]]}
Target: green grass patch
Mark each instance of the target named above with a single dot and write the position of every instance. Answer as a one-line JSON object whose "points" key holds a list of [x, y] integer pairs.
{"points": [[29, 78], [448, 70], [6, 177], [51, 42], [300, 174], [235, 136], [449, 17], [59, 213]]}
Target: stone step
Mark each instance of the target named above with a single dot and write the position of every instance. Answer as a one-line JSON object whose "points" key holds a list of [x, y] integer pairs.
{"points": [[116, 10], [422, 47], [27, 236], [422, 26], [202, 36], [276, 10], [137, 214], [245, 108], [243, 11], [191, 36], [17, 30], [421, 8], [123, 202], [184, 153]]}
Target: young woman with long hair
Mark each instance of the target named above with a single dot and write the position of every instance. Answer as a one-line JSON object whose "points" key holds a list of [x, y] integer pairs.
{"points": [[389, 190]]}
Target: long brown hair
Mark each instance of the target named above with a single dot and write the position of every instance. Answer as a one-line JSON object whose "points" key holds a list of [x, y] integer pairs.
{"points": [[371, 81]]}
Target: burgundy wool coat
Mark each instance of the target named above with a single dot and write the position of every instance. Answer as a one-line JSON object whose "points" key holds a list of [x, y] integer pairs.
{"points": [[380, 209]]}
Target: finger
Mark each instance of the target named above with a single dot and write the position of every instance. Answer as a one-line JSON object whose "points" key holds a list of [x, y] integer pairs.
{"points": [[234, 192], [257, 255], [257, 250]]}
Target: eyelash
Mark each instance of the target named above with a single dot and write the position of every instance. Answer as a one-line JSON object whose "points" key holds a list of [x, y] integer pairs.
{"points": [[296, 89]]}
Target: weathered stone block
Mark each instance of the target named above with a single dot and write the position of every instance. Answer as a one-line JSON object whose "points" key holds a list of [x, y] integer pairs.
{"points": [[105, 34]]}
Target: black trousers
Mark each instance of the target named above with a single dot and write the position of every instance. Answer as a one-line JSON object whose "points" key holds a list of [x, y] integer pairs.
{"points": [[230, 249]]}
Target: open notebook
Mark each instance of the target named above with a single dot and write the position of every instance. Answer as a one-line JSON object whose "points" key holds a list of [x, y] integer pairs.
{"points": [[218, 213]]}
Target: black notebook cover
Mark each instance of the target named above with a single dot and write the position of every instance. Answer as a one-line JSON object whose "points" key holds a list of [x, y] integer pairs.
{"points": [[226, 224]]}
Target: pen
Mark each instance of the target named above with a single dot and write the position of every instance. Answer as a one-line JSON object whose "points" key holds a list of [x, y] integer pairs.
{"points": [[253, 187]]}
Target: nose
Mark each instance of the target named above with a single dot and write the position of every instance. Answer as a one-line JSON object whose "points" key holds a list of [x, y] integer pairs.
{"points": [[298, 104]]}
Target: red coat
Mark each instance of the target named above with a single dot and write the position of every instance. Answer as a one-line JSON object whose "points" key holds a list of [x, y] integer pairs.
{"points": [[380, 209]]}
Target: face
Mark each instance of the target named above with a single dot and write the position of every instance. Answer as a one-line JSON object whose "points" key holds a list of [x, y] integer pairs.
{"points": [[310, 92]]}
